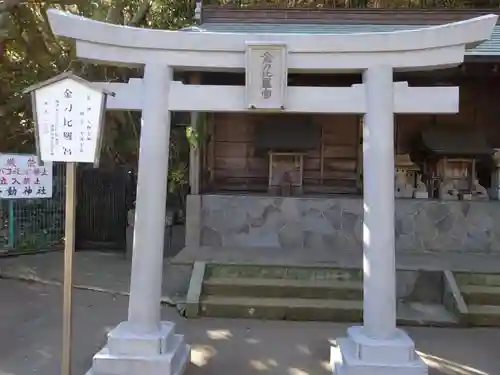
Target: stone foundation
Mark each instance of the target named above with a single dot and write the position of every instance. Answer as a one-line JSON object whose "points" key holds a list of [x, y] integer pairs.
{"points": [[290, 222]]}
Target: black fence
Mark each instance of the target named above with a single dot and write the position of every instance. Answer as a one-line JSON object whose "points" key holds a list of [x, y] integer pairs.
{"points": [[104, 198]]}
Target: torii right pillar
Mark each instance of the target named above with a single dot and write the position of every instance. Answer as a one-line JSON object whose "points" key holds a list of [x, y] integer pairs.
{"points": [[378, 347]]}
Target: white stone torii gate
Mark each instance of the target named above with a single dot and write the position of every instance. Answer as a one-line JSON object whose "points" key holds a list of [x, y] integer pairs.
{"points": [[145, 345]]}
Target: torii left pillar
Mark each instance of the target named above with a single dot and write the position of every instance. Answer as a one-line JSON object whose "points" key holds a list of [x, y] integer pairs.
{"points": [[143, 344]]}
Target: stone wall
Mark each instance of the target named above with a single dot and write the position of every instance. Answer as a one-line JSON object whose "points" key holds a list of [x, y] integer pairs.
{"points": [[421, 225]]}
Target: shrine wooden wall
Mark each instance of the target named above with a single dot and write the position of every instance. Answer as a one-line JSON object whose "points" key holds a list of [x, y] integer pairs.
{"points": [[231, 163], [234, 163], [479, 109]]}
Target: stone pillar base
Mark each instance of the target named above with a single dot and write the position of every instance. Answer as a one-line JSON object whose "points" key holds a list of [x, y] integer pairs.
{"points": [[126, 353], [494, 193], [358, 354]]}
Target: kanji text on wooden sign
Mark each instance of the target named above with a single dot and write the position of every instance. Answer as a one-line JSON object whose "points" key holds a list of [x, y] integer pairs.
{"points": [[266, 76], [68, 115], [22, 178]]}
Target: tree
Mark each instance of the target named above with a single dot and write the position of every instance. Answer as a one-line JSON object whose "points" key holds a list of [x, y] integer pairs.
{"points": [[31, 53]]}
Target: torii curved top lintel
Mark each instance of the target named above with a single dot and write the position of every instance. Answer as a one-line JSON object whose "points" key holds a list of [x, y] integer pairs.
{"points": [[467, 33]]}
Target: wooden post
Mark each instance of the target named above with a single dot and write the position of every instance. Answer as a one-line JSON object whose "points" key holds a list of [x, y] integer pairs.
{"points": [[211, 150], [194, 151], [359, 161], [69, 250], [66, 99], [322, 156]]}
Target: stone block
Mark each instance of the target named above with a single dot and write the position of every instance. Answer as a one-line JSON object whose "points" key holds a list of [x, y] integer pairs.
{"points": [[122, 341], [399, 349], [128, 353], [327, 223], [195, 289], [193, 220], [361, 355], [172, 363]]}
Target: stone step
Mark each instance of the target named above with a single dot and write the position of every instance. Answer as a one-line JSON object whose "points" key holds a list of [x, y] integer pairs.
{"points": [[481, 294], [304, 309], [283, 288], [484, 315], [307, 309], [477, 279], [281, 272]]}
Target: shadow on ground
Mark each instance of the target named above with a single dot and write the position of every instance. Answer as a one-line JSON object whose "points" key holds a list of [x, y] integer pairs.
{"points": [[297, 348]]}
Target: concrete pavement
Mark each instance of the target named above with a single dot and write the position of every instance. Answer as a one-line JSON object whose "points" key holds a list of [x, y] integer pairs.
{"points": [[30, 334], [30, 329], [105, 271]]}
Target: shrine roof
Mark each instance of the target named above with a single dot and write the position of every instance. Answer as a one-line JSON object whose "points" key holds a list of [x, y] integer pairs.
{"points": [[454, 141], [488, 48]]}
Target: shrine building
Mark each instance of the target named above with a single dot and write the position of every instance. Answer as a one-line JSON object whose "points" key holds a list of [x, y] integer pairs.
{"points": [[277, 190]]}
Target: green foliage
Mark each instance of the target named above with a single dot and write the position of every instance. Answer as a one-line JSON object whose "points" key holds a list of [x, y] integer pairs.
{"points": [[178, 179], [32, 54], [179, 160], [29, 53], [196, 134], [38, 224], [359, 3]]}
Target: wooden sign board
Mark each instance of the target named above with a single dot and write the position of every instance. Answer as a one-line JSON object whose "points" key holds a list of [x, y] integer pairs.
{"points": [[266, 76], [68, 113]]}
